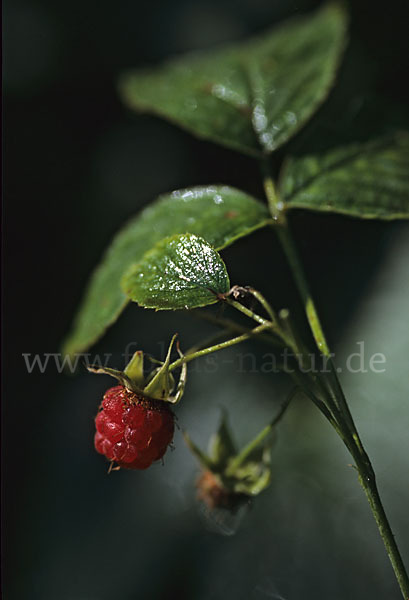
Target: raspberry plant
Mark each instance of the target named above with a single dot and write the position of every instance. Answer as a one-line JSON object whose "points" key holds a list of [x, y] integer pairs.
{"points": [[251, 97]]}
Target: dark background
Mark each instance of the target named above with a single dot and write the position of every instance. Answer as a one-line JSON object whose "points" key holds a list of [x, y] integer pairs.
{"points": [[77, 165]]}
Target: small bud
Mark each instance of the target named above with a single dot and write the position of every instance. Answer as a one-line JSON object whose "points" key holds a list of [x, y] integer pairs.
{"points": [[230, 478]]}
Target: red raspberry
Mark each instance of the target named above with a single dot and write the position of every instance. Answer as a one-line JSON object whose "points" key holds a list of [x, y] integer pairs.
{"points": [[132, 430]]}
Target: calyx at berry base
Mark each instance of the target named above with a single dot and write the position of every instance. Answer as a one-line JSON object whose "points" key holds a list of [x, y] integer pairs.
{"points": [[135, 424], [159, 385]]}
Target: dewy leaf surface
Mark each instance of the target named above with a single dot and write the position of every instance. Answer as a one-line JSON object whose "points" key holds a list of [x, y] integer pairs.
{"points": [[369, 180], [219, 214], [180, 272], [252, 96]]}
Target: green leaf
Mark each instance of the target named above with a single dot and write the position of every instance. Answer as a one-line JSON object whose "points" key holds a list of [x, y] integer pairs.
{"points": [[367, 180], [180, 272], [219, 214], [252, 96]]}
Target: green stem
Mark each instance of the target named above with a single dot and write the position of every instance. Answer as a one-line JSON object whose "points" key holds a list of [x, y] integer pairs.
{"points": [[230, 325], [327, 411], [298, 377], [238, 290], [283, 329], [321, 397], [367, 480], [248, 449], [211, 341], [347, 427], [264, 304], [221, 346], [272, 325], [311, 312], [246, 311]]}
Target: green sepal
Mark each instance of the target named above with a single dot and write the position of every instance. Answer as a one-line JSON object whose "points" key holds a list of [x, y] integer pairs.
{"points": [[182, 379], [161, 385], [221, 445], [121, 376], [155, 372], [158, 386], [134, 369], [203, 459], [254, 475]]}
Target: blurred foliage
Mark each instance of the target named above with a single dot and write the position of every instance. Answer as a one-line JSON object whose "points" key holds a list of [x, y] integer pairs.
{"points": [[252, 96], [77, 167]]}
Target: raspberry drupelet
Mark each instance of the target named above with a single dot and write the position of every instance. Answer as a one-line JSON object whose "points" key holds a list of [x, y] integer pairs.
{"points": [[132, 430]]}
